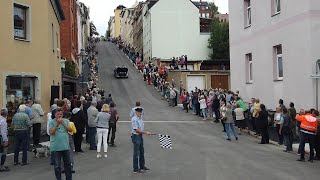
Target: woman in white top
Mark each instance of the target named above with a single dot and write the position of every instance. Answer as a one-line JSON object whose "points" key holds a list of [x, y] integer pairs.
{"points": [[102, 121], [203, 107], [240, 120]]}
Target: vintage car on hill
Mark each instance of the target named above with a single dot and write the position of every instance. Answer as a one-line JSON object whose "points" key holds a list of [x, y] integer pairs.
{"points": [[121, 72]]}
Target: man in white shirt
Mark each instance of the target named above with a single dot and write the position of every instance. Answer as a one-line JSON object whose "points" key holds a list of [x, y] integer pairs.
{"points": [[4, 143]]}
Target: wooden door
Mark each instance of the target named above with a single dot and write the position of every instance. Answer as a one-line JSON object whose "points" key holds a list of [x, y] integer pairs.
{"points": [[220, 81]]}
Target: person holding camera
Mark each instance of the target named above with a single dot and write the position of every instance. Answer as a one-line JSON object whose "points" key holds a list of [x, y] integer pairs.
{"points": [[59, 144]]}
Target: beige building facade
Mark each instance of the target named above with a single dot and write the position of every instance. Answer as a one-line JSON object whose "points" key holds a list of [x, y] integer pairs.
{"points": [[30, 62], [117, 22], [138, 27], [126, 29]]}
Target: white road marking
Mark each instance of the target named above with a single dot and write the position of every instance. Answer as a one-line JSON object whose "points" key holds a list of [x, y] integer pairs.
{"points": [[168, 121], [46, 143]]}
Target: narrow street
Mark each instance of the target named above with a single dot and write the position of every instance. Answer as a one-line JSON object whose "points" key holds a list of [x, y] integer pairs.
{"points": [[200, 150]]}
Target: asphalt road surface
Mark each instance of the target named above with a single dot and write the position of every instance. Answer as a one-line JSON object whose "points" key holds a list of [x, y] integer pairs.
{"points": [[200, 150]]}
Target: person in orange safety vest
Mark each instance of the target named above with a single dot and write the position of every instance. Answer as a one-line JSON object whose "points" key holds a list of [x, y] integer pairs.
{"points": [[308, 130]]}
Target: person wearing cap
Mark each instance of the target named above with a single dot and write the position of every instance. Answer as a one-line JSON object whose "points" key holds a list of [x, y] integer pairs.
{"points": [[137, 131], [133, 110]]}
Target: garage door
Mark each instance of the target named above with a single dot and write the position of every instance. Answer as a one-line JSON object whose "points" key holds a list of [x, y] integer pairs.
{"points": [[194, 81], [220, 81]]}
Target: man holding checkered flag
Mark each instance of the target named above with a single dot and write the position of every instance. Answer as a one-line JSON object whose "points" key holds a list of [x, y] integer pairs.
{"points": [[137, 131]]}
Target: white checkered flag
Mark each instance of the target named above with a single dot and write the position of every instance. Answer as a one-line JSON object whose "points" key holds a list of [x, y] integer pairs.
{"points": [[165, 141]]}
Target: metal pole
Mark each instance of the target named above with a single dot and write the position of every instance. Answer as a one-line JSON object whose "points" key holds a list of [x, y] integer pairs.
{"points": [[82, 76], [317, 93]]}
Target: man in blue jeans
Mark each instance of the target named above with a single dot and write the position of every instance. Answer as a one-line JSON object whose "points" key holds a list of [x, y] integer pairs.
{"points": [[137, 130], [59, 144]]}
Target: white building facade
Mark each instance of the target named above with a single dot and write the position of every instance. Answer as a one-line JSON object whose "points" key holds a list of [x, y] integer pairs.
{"points": [[171, 29], [274, 46], [83, 25], [83, 20]]}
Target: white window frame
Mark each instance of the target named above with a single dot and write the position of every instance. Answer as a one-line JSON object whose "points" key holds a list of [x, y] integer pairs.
{"points": [[278, 72], [249, 68], [249, 13], [278, 57], [277, 4], [27, 21]]}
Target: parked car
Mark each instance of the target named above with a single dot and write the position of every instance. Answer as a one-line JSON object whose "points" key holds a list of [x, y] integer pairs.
{"points": [[121, 72]]}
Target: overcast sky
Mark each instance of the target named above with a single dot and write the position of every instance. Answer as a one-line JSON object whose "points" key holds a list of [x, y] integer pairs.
{"points": [[101, 10]]}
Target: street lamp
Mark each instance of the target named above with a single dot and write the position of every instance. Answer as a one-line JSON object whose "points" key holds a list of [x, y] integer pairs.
{"points": [[82, 55]]}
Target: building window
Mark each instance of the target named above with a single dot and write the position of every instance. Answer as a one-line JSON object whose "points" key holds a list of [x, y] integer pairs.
{"points": [[247, 8], [275, 6], [57, 37], [58, 47], [208, 15], [249, 68], [20, 21], [278, 64], [52, 37], [22, 88]]}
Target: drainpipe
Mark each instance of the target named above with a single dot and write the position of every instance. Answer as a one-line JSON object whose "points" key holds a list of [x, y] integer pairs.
{"points": [[150, 35], [317, 88]]}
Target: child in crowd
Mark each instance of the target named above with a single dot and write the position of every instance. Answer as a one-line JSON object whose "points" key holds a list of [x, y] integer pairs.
{"points": [[67, 115]]}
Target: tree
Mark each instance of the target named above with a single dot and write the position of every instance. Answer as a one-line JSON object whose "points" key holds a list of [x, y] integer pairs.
{"points": [[70, 69], [213, 8], [219, 40]]}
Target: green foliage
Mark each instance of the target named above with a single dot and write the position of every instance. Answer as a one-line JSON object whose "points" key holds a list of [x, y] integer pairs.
{"points": [[71, 69], [213, 8], [219, 40]]}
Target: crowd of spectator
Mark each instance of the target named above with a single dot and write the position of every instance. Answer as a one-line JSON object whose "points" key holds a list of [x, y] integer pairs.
{"points": [[232, 111]]}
